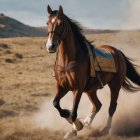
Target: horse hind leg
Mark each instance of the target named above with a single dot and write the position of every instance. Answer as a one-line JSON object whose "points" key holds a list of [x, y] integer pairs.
{"points": [[96, 107], [87, 122], [114, 88]]}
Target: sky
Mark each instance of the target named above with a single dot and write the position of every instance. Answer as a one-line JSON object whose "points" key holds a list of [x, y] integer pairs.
{"points": [[94, 14]]}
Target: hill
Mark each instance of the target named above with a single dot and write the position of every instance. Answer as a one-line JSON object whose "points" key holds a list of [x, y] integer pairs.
{"points": [[99, 31], [10, 27]]}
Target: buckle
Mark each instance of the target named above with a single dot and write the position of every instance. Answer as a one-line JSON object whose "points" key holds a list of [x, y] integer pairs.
{"points": [[53, 73], [58, 41]]}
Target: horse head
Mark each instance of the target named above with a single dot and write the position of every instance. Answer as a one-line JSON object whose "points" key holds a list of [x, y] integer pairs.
{"points": [[56, 29]]}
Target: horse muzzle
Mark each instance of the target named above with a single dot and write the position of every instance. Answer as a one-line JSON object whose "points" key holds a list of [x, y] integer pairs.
{"points": [[51, 48]]}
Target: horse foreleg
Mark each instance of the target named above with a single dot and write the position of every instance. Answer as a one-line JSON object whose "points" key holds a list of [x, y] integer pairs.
{"points": [[114, 88], [76, 123], [96, 107], [61, 92]]}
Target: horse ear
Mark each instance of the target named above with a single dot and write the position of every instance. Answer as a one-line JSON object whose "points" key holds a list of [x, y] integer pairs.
{"points": [[49, 9], [60, 10]]}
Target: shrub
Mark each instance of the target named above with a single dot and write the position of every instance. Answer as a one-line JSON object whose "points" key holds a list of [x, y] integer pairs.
{"points": [[5, 46], [8, 52], [8, 60], [2, 102], [18, 55], [1, 14]]}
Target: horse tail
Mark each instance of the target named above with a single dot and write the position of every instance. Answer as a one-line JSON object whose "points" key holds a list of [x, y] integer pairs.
{"points": [[131, 75]]}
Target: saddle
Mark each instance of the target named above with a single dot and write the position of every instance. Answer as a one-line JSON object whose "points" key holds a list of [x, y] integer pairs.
{"points": [[100, 60]]}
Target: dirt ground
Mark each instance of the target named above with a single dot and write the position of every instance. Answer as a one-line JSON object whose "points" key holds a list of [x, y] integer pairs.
{"points": [[26, 83]]}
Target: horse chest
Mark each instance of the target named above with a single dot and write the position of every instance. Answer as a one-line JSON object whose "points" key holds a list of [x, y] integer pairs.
{"points": [[66, 80]]}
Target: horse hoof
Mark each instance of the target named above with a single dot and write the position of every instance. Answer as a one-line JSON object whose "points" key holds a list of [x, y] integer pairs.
{"points": [[105, 131], [78, 125], [72, 133], [87, 122], [87, 127]]}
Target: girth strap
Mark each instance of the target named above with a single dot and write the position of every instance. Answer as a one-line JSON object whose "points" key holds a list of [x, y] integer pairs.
{"points": [[89, 84]]}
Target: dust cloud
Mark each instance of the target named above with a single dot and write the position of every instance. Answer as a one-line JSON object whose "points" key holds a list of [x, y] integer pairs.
{"points": [[133, 20], [125, 120]]}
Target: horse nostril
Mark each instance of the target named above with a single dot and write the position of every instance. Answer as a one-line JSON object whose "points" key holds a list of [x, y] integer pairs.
{"points": [[53, 45], [49, 49]]}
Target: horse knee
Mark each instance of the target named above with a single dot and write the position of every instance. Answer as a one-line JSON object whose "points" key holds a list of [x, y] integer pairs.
{"points": [[112, 109]]}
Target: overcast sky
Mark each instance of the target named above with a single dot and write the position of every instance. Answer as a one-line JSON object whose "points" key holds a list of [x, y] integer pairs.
{"points": [[95, 14]]}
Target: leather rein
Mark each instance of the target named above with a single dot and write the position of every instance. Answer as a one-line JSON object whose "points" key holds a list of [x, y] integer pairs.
{"points": [[70, 67]]}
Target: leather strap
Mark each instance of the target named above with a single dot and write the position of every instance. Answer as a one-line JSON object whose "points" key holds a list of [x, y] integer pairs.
{"points": [[63, 29], [55, 33], [71, 67], [89, 84], [92, 61]]}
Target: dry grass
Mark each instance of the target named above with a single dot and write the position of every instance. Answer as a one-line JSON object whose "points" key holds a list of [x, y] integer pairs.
{"points": [[2, 26], [27, 83], [20, 128], [25, 79]]}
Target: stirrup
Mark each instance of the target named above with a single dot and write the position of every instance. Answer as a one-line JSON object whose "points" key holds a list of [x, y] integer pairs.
{"points": [[100, 86], [53, 73]]}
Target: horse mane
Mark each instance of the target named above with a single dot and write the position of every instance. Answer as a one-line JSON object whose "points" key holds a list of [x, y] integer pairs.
{"points": [[77, 30]]}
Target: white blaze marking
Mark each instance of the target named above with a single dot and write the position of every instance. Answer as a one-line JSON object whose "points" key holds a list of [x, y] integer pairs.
{"points": [[53, 20], [48, 44]]}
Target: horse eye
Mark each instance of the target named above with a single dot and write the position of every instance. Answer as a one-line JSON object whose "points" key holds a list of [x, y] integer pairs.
{"points": [[47, 23]]}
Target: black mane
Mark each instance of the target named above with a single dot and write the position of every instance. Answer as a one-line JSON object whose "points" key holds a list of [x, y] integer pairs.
{"points": [[77, 31]]}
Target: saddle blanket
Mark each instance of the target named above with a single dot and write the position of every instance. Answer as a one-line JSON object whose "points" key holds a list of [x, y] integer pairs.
{"points": [[104, 58]]}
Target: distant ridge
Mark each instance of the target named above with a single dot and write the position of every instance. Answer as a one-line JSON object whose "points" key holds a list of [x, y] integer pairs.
{"points": [[10, 27], [99, 31]]}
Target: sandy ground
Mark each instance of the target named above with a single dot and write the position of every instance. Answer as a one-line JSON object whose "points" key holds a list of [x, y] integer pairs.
{"points": [[27, 89]]}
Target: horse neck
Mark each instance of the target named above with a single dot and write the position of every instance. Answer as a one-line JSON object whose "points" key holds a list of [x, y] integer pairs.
{"points": [[69, 50]]}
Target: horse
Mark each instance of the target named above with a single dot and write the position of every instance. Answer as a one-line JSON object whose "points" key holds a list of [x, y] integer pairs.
{"points": [[72, 70]]}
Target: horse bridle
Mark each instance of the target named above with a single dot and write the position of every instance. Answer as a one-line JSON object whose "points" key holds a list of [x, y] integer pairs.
{"points": [[60, 38], [62, 32]]}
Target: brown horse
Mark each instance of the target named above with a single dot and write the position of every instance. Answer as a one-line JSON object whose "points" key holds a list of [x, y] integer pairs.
{"points": [[72, 70]]}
